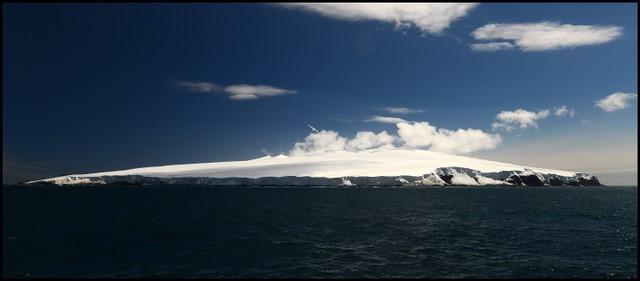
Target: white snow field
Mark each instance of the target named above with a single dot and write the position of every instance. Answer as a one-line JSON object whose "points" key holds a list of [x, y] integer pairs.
{"points": [[369, 163]]}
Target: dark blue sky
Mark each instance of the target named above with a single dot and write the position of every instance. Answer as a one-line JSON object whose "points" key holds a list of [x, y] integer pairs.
{"points": [[92, 87]]}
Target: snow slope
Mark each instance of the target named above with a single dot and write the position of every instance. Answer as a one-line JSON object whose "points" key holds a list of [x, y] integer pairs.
{"points": [[370, 163]]}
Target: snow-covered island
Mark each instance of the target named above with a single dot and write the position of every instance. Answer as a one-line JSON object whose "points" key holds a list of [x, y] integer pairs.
{"points": [[376, 167]]}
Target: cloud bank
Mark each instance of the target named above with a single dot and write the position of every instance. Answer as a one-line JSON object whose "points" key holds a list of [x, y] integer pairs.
{"points": [[428, 17], [542, 36], [327, 141], [323, 141], [420, 135], [616, 101], [424, 135], [367, 140], [236, 92]]}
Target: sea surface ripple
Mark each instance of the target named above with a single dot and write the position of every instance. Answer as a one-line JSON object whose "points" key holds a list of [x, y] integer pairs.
{"points": [[182, 231]]}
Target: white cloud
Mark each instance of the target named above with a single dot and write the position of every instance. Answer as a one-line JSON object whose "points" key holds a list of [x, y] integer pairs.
{"points": [[616, 101], [386, 119], [250, 92], [519, 117], [564, 111], [401, 110], [236, 92], [200, 87], [423, 135], [428, 17], [543, 36], [367, 140], [419, 135], [320, 142], [326, 141], [493, 46]]}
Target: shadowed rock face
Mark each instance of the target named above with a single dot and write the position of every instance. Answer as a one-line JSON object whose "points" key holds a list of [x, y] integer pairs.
{"points": [[589, 182], [584, 180], [446, 178], [555, 182], [515, 180], [449, 175], [529, 180]]}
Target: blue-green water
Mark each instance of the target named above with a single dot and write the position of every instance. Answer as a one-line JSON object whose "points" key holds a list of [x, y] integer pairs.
{"points": [[320, 232]]}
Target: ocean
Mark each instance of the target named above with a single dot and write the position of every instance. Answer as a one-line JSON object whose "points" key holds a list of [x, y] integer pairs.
{"points": [[304, 232]]}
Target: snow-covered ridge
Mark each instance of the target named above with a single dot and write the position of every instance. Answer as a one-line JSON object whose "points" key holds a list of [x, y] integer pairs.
{"points": [[412, 166]]}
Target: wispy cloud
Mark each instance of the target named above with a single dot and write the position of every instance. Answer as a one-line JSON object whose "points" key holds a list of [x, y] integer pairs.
{"points": [[313, 128], [564, 111], [616, 101], [428, 17], [200, 87], [401, 110], [490, 47], [543, 36], [520, 118], [386, 119], [235, 92]]}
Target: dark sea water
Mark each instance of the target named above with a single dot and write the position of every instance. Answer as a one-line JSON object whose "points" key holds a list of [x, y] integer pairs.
{"points": [[185, 231]]}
